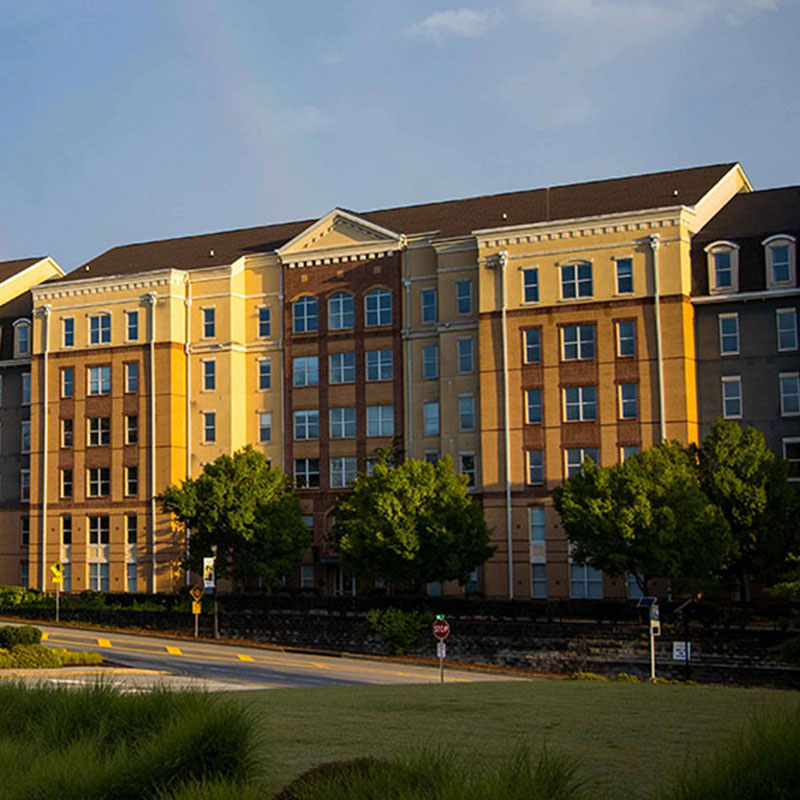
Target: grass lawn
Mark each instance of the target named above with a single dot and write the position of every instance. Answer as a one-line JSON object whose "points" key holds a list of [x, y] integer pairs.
{"points": [[628, 738]]}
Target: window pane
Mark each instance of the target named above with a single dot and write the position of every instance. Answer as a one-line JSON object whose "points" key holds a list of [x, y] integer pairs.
{"points": [[533, 345]]}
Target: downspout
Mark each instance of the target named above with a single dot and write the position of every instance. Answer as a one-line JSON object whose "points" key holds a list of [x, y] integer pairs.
{"points": [[662, 425], [283, 376], [409, 375], [502, 261], [187, 301], [45, 311], [151, 300]]}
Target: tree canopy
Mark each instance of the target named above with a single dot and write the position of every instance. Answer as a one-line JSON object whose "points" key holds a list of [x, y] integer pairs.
{"points": [[410, 522], [247, 511], [647, 517]]}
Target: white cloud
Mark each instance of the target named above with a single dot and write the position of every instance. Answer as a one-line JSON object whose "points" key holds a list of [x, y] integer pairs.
{"points": [[463, 23]]}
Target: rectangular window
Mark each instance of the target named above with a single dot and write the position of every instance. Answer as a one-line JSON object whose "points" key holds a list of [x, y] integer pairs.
{"points": [[24, 531], [264, 323], [24, 573], [732, 397], [264, 374], [306, 424], [133, 326], [132, 481], [431, 417], [132, 377], [66, 432], [25, 485], [585, 583], [343, 423], [432, 457], [628, 401], [342, 367], [790, 394], [307, 576], [68, 382], [26, 389], [98, 576], [626, 338], [380, 420], [624, 275], [429, 310], [539, 581], [628, 450], [577, 455], [530, 285], [537, 532], [464, 297], [68, 332], [99, 380], [466, 356], [791, 452], [98, 530], [306, 473], [98, 431], [430, 362], [580, 404], [342, 471], [379, 365], [536, 523], [576, 281], [209, 426], [466, 413], [577, 342], [533, 345], [786, 319], [98, 482], [265, 426], [100, 329], [780, 264], [728, 334], [536, 467], [209, 323], [66, 529], [25, 436], [209, 375], [132, 429], [468, 467], [533, 406], [723, 270], [305, 370], [131, 575]]}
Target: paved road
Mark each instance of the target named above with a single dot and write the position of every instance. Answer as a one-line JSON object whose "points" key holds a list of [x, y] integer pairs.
{"points": [[231, 666]]}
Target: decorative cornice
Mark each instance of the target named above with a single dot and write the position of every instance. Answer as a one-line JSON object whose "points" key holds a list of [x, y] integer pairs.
{"points": [[111, 283]]}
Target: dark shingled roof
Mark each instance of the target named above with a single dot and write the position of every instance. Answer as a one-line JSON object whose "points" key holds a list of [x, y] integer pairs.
{"points": [[10, 268], [450, 218]]}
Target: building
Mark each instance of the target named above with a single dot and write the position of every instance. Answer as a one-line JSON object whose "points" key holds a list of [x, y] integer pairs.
{"points": [[516, 333]]}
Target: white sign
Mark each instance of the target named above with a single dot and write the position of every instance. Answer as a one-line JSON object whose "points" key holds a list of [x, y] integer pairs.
{"points": [[441, 650], [682, 651], [208, 573]]}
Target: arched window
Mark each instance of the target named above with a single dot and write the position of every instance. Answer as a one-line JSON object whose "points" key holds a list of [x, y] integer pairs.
{"points": [[780, 258], [340, 311], [378, 307], [22, 338], [305, 315], [723, 267]]}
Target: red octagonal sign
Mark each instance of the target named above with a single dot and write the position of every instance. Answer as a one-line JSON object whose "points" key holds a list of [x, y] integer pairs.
{"points": [[441, 628]]}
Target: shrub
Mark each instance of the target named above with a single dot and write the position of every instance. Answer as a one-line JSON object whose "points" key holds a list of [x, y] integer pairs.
{"points": [[79, 658], [11, 635], [401, 631], [34, 656], [6, 661], [587, 676], [788, 651]]}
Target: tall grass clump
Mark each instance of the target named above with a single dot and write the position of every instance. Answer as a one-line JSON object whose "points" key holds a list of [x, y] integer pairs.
{"points": [[763, 763], [95, 743], [442, 776]]}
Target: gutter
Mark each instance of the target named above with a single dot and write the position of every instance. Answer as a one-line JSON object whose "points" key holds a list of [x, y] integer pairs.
{"points": [[45, 312], [151, 299], [662, 426]]}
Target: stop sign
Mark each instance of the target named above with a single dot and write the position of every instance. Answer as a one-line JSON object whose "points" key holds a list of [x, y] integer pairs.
{"points": [[441, 628]]}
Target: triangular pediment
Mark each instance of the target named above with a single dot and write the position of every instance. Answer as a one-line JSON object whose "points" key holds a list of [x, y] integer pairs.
{"points": [[337, 233]]}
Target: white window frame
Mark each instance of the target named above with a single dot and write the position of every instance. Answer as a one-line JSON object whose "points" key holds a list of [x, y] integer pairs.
{"points": [[584, 452], [535, 346], [721, 319], [343, 317], [529, 405], [132, 315], [428, 426], [97, 480], [621, 338], [342, 369], [131, 481], [264, 422], [100, 370], [132, 377], [722, 246], [581, 344], [794, 472], [342, 471], [464, 300], [427, 363], [208, 320], [788, 313], [624, 453], [468, 357], [66, 437], [425, 310], [66, 482], [209, 426], [380, 420], [264, 374], [103, 330], [780, 240], [342, 422], [305, 322], [263, 319], [382, 312], [65, 334], [25, 436], [732, 380], [25, 485], [131, 429], [19, 326], [26, 389], [534, 467], [301, 371], [530, 285], [209, 374], [626, 402], [472, 474], [307, 473], [588, 576], [379, 365], [795, 376], [97, 433], [617, 263], [64, 383], [576, 281], [467, 413], [306, 424], [582, 404]]}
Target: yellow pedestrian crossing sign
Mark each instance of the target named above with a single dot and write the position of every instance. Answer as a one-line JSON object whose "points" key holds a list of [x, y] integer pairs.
{"points": [[58, 572]]}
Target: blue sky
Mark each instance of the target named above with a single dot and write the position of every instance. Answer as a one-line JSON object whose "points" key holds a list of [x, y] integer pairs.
{"points": [[126, 121]]}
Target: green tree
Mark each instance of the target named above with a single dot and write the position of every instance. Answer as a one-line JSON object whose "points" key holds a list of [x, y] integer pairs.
{"points": [[410, 522], [748, 483], [647, 517], [245, 510]]}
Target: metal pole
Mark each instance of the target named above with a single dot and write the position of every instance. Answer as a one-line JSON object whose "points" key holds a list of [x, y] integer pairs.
{"points": [[58, 594], [196, 626], [216, 616], [686, 644], [441, 669], [652, 652]]}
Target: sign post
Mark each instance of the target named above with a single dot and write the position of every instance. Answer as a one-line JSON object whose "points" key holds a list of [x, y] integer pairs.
{"points": [[441, 630], [197, 606], [654, 621], [210, 585], [58, 577]]}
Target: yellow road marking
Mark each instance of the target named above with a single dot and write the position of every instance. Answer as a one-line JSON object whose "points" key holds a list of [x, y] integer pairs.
{"points": [[174, 651], [104, 642], [45, 636], [244, 658]]}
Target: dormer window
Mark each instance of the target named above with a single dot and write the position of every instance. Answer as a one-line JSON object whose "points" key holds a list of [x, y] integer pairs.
{"points": [[22, 338], [779, 253], [723, 267]]}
